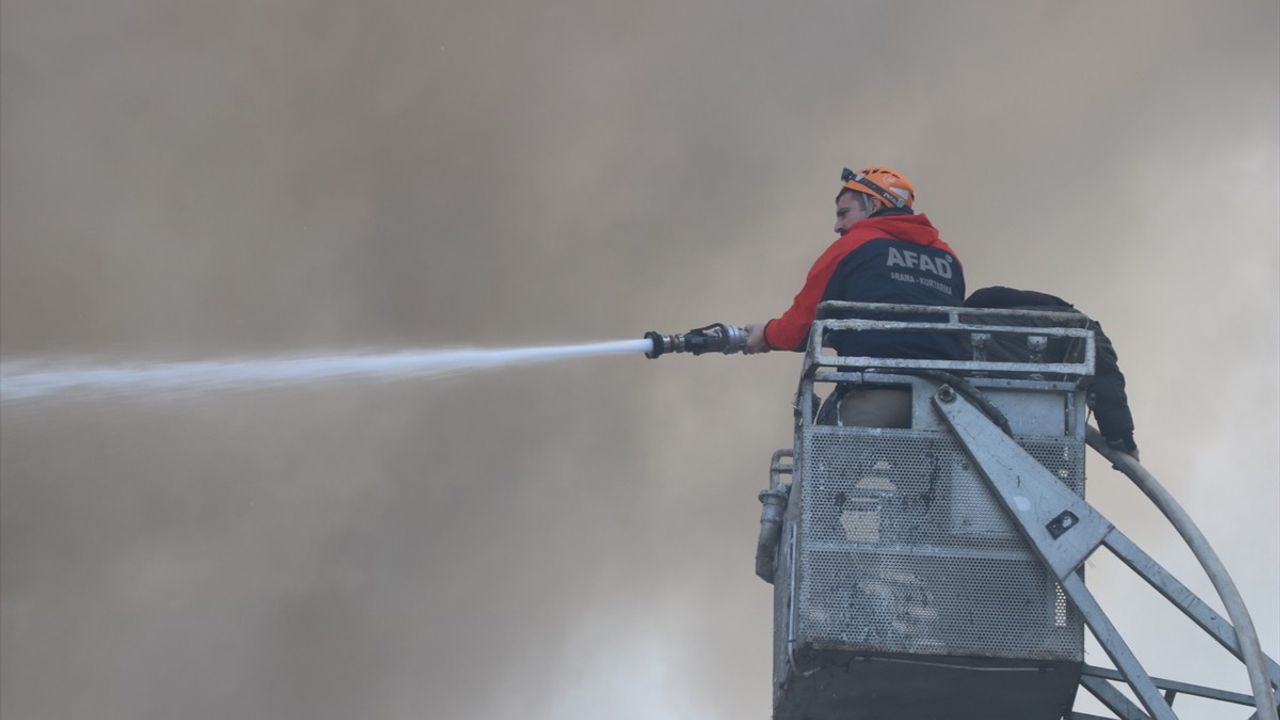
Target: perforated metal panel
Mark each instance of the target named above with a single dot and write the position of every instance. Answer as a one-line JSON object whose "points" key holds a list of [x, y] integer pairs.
{"points": [[901, 548]]}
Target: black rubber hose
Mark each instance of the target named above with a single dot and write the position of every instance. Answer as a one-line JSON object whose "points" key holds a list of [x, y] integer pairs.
{"points": [[970, 393]]}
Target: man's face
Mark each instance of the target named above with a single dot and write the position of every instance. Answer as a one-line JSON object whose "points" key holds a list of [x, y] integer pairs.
{"points": [[849, 210]]}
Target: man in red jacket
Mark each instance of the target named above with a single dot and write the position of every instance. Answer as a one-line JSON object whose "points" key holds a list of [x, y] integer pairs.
{"points": [[885, 253]]}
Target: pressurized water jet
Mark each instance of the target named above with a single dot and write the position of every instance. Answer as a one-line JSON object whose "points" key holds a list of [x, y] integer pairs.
{"points": [[28, 380], [33, 379]]}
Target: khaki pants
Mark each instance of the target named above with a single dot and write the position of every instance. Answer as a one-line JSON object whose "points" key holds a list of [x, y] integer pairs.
{"points": [[876, 407]]}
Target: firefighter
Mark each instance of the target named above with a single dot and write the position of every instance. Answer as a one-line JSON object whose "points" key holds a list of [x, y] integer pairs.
{"points": [[885, 253], [1106, 395]]}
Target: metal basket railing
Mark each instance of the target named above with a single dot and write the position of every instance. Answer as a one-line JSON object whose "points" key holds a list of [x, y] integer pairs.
{"points": [[975, 326]]}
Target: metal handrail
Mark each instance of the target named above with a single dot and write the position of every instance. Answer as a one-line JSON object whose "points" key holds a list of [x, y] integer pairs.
{"points": [[849, 322], [825, 310]]}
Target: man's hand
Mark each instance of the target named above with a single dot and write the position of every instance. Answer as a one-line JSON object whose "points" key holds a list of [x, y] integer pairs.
{"points": [[1125, 445], [755, 340]]}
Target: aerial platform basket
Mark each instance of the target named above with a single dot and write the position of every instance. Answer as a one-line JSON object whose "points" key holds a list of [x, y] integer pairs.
{"points": [[934, 571]]}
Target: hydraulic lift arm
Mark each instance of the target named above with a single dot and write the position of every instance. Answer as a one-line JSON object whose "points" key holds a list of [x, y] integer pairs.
{"points": [[1064, 530]]}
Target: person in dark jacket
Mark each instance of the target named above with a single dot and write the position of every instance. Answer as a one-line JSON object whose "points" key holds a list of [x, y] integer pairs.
{"points": [[1106, 396], [885, 253]]}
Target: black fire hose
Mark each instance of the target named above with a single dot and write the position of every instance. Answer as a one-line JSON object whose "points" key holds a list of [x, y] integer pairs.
{"points": [[966, 389]]}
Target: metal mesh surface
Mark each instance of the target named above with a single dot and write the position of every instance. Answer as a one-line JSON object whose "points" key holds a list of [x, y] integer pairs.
{"points": [[903, 549]]}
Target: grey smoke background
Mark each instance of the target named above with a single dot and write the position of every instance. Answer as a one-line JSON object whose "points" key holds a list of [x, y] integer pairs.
{"points": [[185, 180]]}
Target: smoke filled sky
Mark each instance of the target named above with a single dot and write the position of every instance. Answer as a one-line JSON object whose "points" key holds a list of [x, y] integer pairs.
{"points": [[233, 177]]}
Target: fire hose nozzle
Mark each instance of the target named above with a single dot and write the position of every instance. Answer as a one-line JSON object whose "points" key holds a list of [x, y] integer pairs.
{"points": [[717, 337]]}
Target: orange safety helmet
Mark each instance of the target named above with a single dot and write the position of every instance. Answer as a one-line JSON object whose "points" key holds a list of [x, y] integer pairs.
{"points": [[884, 184]]}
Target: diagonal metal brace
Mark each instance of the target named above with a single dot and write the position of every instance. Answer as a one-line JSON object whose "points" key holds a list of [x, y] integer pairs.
{"points": [[1059, 525], [1182, 598], [1115, 701], [1174, 686]]}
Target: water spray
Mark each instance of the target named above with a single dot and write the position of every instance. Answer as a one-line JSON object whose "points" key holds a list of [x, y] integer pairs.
{"points": [[31, 380], [717, 337]]}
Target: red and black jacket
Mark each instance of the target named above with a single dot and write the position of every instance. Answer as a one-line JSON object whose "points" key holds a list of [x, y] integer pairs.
{"points": [[890, 257]]}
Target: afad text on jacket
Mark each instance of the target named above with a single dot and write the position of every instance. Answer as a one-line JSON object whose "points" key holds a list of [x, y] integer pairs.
{"points": [[890, 257]]}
